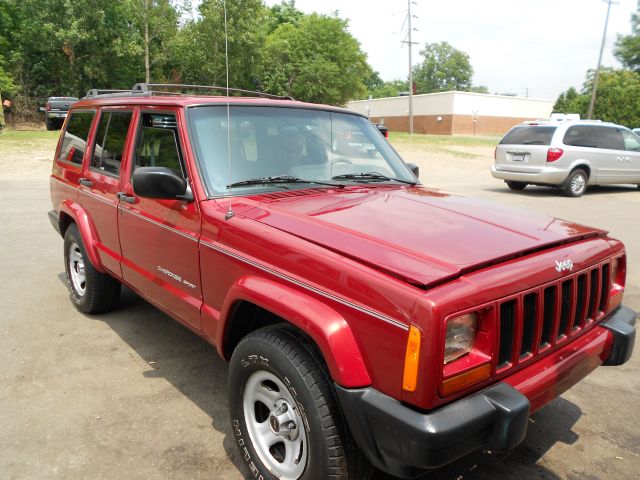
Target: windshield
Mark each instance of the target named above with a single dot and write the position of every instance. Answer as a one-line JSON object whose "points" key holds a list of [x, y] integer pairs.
{"points": [[267, 142]]}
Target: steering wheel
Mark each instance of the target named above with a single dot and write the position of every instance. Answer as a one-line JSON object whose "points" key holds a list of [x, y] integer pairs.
{"points": [[339, 160]]}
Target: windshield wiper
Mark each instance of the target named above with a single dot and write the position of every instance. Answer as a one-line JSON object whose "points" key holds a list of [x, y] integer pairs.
{"points": [[280, 179], [370, 176]]}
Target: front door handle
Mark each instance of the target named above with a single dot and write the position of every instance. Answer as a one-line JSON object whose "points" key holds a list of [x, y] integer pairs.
{"points": [[85, 182], [126, 198]]}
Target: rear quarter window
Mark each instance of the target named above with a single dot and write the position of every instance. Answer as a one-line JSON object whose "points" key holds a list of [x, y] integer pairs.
{"points": [[74, 140], [529, 135]]}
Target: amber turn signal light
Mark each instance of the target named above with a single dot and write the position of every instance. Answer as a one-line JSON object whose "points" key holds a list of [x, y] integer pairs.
{"points": [[411, 360], [454, 384]]}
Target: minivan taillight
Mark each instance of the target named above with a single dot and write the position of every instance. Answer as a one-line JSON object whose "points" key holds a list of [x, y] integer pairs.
{"points": [[554, 154], [48, 107]]}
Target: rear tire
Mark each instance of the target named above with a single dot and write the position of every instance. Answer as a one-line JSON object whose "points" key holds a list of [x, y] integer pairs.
{"points": [[576, 183], [284, 413], [90, 290], [50, 126], [516, 185]]}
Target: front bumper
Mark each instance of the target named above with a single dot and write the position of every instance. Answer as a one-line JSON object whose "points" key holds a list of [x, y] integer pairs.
{"points": [[405, 442]]}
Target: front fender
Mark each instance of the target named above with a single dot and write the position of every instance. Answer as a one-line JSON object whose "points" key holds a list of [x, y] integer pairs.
{"points": [[86, 228], [328, 329]]}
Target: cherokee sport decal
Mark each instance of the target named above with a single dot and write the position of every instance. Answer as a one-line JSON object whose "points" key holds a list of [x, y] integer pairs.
{"points": [[176, 277]]}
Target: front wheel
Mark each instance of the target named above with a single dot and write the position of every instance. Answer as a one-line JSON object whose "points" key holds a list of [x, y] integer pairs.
{"points": [[576, 183], [285, 417]]}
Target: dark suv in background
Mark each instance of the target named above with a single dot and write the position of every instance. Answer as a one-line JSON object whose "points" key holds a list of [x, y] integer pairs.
{"points": [[55, 111]]}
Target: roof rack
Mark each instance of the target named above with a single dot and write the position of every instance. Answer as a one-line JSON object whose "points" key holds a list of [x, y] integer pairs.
{"points": [[149, 89]]}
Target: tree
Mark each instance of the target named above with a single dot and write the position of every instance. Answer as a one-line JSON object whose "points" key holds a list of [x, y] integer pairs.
{"points": [[316, 60], [627, 49], [442, 68], [285, 12], [479, 89], [391, 88]]}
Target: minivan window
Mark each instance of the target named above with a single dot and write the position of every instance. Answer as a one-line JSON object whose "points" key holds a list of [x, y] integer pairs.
{"points": [[110, 139], [74, 142], [581, 136], [529, 135], [611, 138]]}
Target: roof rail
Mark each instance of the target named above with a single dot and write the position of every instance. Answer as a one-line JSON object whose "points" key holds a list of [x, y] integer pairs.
{"points": [[94, 92], [150, 88]]}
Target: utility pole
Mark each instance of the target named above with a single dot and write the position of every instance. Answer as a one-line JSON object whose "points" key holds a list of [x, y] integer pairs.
{"points": [[595, 78], [410, 45]]}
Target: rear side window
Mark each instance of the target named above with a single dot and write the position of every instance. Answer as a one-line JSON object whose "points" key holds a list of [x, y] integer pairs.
{"points": [[581, 136], [611, 138], [158, 143], [74, 142], [110, 140], [529, 135]]}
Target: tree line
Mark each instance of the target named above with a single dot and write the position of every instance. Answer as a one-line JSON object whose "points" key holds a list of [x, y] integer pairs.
{"points": [[618, 90], [64, 47]]}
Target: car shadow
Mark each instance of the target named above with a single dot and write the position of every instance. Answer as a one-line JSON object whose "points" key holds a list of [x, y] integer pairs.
{"points": [[536, 191], [194, 368]]}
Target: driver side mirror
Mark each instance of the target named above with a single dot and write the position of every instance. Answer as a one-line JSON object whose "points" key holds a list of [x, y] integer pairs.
{"points": [[161, 183], [414, 168]]}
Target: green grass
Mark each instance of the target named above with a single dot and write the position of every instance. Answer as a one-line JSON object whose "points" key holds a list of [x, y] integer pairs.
{"points": [[27, 135], [443, 141]]}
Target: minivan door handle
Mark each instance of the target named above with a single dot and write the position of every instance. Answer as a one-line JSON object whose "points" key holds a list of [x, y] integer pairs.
{"points": [[126, 198], [85, 182]]}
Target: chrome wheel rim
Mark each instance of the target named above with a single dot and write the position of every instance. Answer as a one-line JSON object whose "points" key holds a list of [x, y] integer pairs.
{"points": [[275, 425], [578, 183], [76, 269]]}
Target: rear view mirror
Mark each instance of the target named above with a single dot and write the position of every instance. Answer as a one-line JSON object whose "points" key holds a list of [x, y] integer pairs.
{"points": [[414, 168], [160, 182]]}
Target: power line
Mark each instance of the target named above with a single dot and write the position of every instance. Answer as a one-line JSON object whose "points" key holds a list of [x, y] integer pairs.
{"points": [[410, 45]]}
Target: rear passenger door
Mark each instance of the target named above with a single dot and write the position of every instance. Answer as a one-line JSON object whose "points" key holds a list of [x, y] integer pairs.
{"points": [[611, 155], [160, 237], [100, 182]]}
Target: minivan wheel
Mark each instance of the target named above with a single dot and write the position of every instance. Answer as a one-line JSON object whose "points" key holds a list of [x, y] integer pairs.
{"points": [[576, 183], [90, 290], [284, 413], [513, 185]]}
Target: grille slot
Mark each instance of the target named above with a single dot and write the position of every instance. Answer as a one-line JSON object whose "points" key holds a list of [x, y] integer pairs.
{"points": [[530, 316], [533, 321], [507, 330], [548, 314]]}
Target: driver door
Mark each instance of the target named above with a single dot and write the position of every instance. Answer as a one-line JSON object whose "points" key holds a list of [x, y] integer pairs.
{"points": [[632, 157]]}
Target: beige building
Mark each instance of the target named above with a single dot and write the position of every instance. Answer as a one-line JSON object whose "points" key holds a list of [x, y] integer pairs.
{"points": [[449, 113]]}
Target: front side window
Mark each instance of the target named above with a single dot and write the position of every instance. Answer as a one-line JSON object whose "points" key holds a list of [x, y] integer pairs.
{"points": [[631, 141], [74, 142], [110, 141], [581, 136], [157, 144], [312, 145]]}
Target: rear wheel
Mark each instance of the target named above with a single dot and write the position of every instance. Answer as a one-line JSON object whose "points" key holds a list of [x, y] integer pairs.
{"points": [[516, 185], [576, 183], [285, 416], [91, 291], [50, 125]]}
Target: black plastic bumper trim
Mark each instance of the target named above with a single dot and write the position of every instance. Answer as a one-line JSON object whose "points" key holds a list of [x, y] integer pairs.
{"points": [[55, 223], [622, 324], [405, 442]]}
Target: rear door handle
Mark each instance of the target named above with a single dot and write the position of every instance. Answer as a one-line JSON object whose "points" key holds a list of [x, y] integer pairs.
{"points": [[126, 198], [85, 182]]}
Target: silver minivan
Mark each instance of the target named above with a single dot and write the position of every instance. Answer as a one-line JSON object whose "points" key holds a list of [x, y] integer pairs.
{"points": [[570, 155]]}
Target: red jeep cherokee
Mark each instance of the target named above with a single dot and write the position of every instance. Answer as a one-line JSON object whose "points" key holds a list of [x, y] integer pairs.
{"points": [[362, 313]]}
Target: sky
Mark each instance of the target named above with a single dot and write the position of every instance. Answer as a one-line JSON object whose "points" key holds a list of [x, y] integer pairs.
{"points": [[539, 47]]}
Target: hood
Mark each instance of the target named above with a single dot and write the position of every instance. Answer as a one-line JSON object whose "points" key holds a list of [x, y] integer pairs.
{"points": [[420, 235]]}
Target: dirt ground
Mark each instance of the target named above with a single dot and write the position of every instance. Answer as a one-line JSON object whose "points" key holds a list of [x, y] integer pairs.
{"points": [[132, 394]]}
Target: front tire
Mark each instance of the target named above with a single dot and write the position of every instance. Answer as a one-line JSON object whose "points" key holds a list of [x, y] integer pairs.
{"points": [[90, 290], [285, 416], [513, 185], [576, 183]]}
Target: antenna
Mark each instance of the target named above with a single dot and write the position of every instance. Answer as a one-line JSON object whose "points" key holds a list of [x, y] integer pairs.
{"points": [[230, 213]]}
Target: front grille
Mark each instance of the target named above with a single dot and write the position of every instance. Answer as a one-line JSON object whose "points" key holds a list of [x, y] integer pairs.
{"points": [[534, 321]]}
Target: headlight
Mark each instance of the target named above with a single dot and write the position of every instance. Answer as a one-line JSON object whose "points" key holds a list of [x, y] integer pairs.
{"points": [[461, 332]]}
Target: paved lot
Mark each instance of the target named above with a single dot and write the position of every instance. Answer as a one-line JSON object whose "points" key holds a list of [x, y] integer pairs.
{"points": [[132, 394]]}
